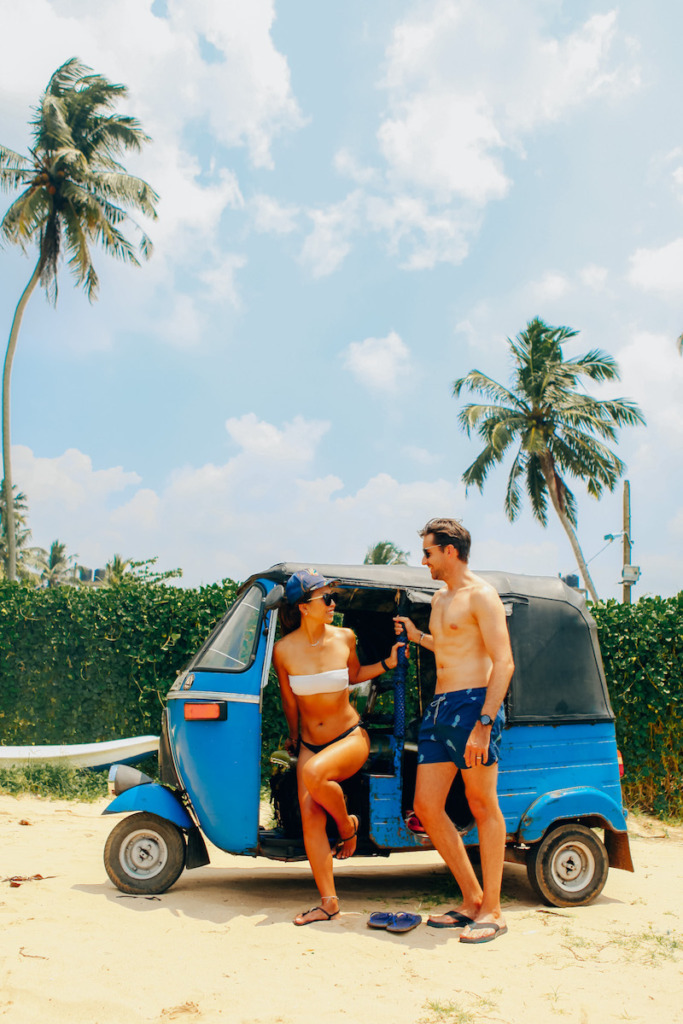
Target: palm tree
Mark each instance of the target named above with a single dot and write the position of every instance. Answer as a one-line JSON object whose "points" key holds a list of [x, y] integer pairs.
{"points": [[75, 193], [116, 569], [25, 556], [57, 567], [384, 552], [559, 429]]}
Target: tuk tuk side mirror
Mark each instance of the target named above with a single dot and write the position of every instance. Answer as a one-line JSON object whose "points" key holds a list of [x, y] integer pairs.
{"points": [[275, 597]]}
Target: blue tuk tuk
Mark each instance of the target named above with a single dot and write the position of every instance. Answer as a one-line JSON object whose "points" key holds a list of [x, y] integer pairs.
{"points": [[559, 777]]}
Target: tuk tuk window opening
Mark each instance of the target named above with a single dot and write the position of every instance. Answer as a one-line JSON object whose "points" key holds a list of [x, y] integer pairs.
{"points": [[232, 647]]}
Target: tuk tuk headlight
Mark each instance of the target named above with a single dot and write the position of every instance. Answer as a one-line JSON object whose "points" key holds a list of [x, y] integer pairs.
{"points": [[122, 777]]}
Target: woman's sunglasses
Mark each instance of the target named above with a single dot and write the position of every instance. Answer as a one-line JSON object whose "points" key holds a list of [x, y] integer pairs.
{"points": [[327, 598]]}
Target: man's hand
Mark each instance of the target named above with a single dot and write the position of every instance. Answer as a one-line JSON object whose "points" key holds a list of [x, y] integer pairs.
{"points": [[413, 633], [477, 749]]}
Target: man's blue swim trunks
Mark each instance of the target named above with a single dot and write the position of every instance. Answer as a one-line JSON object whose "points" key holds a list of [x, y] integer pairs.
{"points": [[447, 724]]}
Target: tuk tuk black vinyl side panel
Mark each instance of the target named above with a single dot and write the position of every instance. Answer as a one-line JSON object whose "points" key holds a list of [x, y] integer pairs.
{"points": [[558, 669]]}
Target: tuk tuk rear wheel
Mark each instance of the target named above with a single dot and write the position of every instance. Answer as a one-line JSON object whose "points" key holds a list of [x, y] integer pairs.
{"points": [[144, 854], [569, 867]]}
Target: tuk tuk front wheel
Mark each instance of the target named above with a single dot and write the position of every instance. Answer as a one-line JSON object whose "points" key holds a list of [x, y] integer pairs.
{"points": [[568, 868], [144, 854]]}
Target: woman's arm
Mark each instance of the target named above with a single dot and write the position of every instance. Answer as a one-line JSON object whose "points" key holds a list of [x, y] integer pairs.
{"points": [[289, 705]]}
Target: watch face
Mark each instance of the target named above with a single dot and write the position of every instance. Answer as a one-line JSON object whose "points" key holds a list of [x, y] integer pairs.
{"points": [[486, 720]]}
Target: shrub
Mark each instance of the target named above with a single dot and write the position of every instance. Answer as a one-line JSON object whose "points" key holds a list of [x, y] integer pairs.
{"points": [[642, 651]]}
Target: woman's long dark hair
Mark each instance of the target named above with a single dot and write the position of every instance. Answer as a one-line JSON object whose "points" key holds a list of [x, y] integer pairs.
{"points": [[289, 618]]}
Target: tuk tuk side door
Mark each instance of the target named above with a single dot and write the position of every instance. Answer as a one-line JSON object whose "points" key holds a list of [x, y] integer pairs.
{"points": [[214, 720]]}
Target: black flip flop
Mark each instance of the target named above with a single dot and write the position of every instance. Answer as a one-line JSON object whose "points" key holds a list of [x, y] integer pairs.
{"points": [[459, 920], [498, 929], [316, 920]]}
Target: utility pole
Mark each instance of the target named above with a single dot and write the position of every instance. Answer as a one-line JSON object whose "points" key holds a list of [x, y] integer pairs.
{"points": [[626, 598]]}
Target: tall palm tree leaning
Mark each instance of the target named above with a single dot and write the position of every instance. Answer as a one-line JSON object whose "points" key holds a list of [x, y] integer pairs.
{"points": [[75, 192], [559, 429]]}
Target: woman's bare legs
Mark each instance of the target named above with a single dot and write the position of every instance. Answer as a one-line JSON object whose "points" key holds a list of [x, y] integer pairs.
{"points": [[320, 794]]}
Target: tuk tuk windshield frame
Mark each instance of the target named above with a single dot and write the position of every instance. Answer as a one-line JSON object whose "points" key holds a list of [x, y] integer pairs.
{"points": [[233, 645]]}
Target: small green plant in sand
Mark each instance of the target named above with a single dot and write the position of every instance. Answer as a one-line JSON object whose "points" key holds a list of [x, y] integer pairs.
{"points": [[648, 947], [440, 1012], [554, 998]]}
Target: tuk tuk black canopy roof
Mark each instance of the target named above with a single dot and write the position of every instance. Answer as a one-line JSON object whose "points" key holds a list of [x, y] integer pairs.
{"points": [[558, 676]]}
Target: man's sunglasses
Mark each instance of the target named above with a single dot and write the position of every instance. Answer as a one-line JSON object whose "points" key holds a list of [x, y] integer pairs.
{"points": [[425, 551], [327, 598]]}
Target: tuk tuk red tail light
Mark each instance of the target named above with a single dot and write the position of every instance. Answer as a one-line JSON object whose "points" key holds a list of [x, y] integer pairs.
{"points": [[620, 762], [206, 711]]}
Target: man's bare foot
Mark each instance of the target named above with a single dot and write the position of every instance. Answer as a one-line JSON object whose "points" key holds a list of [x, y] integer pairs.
{"points": [[453, 918], [484, 931], [319, 913], [347, 847]]}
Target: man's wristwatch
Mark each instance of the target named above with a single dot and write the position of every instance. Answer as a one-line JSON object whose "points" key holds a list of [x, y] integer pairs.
{"points": [[485, 719]]}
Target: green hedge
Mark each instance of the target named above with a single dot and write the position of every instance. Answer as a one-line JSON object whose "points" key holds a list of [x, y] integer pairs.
{"points": [[82, 665], [642, 649]]}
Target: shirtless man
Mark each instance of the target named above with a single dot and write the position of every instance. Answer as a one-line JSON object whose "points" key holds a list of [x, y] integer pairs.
{"points": [[462, 726]]}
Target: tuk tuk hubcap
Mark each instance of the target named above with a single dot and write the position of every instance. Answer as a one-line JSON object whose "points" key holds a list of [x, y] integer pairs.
{"points": [[143, 854], [573, 866]]}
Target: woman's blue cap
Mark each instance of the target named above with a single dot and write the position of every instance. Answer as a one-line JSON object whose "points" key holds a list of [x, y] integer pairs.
{"points": [[302, 583]]}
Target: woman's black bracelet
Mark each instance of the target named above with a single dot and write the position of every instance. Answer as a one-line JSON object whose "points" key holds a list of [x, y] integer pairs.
{"points": [[384, 665]]}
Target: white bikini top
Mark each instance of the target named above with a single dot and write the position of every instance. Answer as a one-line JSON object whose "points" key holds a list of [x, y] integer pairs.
{"points": [[334, 681]]}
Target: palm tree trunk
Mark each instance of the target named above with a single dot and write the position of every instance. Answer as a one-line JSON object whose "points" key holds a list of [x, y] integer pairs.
{"points": [[10, 531], [549, 475]]}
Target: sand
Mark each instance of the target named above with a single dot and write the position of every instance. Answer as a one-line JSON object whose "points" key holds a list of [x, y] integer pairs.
{"points": [[220, 945]]}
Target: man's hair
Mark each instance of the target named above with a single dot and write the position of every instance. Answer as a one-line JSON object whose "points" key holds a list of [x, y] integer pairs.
{"points": [[449, 531]]}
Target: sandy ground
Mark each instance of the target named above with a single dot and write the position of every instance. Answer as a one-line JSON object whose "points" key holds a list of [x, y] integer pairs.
{"points": [[220, 946]]}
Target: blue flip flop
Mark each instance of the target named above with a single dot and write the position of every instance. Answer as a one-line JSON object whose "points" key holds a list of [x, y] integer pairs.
{"points": [[380, 920], [404, 922]]}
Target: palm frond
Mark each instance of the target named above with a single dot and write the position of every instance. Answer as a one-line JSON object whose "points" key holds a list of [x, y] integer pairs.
{"points": [[513, 498], [596, 364], [537, 489], [26, 217], [477, 381], [125, 188], [477, 472]]}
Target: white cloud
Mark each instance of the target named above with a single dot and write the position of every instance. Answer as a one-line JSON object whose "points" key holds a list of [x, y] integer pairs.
{"points": [[420, 455], [183, 324], [330, 240], [443, 143], [426, 237], [551, 286], [345, 163], [593, 277], [265, 504], [467, 79], [220, 279], [271, 217], [465, 84], [659, 270], [295, 443], [652, 374], [380, 364]]}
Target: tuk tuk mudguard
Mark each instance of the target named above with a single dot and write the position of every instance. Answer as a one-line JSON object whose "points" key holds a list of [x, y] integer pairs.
{"points": [[154, 799], [577, 804]]}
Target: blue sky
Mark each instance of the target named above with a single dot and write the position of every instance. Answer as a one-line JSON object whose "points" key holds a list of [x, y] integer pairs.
{"points": [[359, 204]]}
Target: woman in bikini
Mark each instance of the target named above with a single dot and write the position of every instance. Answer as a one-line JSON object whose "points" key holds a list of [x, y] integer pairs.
{"points": [[315, 664]]}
